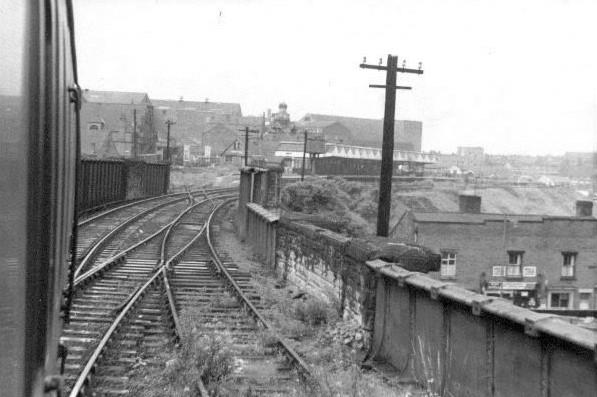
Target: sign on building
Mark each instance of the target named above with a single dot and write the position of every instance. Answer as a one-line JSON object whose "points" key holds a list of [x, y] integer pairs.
{"points": [[498, 271], [529, 271]]}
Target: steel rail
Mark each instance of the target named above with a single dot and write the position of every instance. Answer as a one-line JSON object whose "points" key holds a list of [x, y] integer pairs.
{"points": [[83, 380], [144, 200], [99, 269], [168, 229], [301, 366], [92, 251], [88, 252]]}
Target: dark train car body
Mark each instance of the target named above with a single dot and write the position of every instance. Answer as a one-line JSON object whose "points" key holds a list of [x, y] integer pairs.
{"points": [[38, 153], [107, 181], [356, 166]]}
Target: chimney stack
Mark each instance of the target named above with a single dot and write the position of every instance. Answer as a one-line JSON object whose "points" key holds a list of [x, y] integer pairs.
{"points": [[584, 208], [469, 203]]}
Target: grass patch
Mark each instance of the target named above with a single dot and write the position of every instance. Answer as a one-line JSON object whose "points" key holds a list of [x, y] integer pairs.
{"points": [[312, 311], [202, 356]]}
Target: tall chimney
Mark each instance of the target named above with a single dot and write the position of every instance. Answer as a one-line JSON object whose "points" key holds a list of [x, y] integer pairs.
{"points": [[584, 208], [469, 203]]}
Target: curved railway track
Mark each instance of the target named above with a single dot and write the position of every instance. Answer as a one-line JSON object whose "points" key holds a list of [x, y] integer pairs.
{"points": [[101, 289], [128, 312], [94, 231]]}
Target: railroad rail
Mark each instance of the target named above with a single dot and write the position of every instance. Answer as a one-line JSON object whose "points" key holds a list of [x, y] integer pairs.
{"points": [[95, 232], [130, 310], [100, 291]]}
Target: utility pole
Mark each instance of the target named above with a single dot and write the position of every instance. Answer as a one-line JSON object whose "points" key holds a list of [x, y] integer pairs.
{"points": [[304, 154], [247, 130], [387, 149], [168, 123], [134, 133]]}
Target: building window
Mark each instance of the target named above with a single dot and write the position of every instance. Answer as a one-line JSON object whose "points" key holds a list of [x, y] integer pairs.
{"points": [[584, 299], [560, 300], [448, 264], [514, 264], [568, 264]]}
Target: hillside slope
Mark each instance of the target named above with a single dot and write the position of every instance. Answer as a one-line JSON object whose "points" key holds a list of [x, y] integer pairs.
{"points": [[356, 203]]}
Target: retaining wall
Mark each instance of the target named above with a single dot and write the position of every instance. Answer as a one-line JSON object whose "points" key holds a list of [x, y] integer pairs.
{"points": [[443, 336]]}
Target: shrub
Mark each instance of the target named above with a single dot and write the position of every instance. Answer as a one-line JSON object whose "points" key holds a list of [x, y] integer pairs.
{"points": [[313, 312]]}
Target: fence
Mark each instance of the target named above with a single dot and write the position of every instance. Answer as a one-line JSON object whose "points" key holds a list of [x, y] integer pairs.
{"points": [[445, 338], [106, 181]]}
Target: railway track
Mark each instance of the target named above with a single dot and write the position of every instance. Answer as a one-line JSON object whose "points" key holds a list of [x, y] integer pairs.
{"points": [[129, 313], [100, 291], [94, 231]]}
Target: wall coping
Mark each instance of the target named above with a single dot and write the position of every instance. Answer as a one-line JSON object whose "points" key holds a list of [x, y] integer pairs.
{"points": [[534, 323], [269, 216]]}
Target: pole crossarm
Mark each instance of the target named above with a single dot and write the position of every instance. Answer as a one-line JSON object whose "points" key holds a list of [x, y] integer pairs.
{"points": [[398, 70], [398, 87]]}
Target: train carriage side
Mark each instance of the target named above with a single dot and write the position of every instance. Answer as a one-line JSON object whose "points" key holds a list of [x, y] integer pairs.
{"points": [[37, 178]]}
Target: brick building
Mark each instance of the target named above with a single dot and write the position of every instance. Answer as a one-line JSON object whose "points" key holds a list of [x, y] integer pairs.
{"points": [[108, 119], [531, 259], [366, 132]]}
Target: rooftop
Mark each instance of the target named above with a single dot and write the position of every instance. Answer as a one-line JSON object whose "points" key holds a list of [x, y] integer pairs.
{"points": [[116, 97], [198, 106]]}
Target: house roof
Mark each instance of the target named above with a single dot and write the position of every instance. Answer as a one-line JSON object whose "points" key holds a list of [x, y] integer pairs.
{"points": [[197, 106], [116, 97], [288, 146], [481, 218]]}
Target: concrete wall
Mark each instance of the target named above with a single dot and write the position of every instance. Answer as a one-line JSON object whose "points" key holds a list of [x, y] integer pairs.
{"points": [[436, 334], [257, 185], [472, 345]]}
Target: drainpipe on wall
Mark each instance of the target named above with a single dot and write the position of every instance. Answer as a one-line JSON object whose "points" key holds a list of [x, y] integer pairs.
{"points": [[252, 187]]}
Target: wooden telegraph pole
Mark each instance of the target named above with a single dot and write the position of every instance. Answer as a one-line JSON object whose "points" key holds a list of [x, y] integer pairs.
{"points": [[247, 131], [387, 149], [168, 123], [304, 155], [134, 133]]}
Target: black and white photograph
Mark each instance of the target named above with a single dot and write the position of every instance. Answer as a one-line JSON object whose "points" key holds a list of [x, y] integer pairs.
{"points": [[220, 198]]}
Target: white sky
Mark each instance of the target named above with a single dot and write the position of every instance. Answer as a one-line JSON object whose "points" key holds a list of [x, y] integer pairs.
{"points": [[512, 76]]}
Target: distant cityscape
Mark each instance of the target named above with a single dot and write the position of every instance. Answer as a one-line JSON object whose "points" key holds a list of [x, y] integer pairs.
{"points": [[203, 130]]}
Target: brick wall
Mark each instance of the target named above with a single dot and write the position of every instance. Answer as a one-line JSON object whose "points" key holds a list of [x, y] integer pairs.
{"points": [[480, 246]]}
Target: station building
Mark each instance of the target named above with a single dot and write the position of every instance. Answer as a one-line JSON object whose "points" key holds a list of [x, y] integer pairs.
{"points": [[325, 158], [535, 260]]}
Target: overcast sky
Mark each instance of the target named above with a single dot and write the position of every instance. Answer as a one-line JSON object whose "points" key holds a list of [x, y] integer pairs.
{"points": [[512, 76]]}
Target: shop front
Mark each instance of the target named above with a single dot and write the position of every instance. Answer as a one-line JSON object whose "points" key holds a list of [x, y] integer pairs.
{"points": [[521, 293]]}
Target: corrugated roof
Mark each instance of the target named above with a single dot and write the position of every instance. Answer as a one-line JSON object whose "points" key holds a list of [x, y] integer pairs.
{"points": [[116, 97]]}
